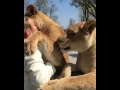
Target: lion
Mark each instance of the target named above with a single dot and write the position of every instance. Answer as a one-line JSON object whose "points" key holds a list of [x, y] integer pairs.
{"points": [[80, 37], [47, 47], [45, 25]]}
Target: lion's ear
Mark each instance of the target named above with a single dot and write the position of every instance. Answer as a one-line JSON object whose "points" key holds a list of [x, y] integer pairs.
{"points": [[89, 26], [30, 10]]}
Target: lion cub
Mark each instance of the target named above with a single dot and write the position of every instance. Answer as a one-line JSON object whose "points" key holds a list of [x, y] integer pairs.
{"points": [[80, 37]]}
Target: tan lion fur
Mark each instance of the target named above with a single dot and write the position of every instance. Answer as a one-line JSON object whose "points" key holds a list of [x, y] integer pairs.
{"points": [[80, 37], [46, 25]]}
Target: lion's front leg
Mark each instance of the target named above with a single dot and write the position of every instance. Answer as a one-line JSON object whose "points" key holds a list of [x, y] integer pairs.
{"points": [[67, 70], [30, 44]]}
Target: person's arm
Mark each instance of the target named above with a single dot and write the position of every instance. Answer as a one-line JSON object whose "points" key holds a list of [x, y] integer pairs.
{"points": [[41, 73], [38, 71]]}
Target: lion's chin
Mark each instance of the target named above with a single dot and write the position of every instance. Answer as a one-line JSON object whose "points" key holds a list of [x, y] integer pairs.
{"points": [[67, 49]]}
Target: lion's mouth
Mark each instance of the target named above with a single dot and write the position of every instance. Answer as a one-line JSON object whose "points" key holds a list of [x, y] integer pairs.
{"points": [[67, 48]]}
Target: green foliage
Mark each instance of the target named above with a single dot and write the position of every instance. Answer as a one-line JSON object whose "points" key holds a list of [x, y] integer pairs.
{"points": [[42, 5], [88, 8], [47, 7]]}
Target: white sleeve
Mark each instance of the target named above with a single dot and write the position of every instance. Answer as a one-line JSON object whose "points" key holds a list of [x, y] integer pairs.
{"points": [[51, 68], [41, 73], [38, 71]]}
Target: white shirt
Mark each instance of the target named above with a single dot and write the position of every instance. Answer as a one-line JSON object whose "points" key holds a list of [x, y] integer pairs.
{"points": [[36, 72]]}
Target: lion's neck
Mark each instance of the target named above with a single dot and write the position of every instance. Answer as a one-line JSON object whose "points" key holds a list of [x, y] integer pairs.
{"points": [[87, 60], [48, 19], [45, 22]]}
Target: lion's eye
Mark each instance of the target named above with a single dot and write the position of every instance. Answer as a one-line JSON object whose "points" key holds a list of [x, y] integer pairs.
{"points": [[71, 35]]}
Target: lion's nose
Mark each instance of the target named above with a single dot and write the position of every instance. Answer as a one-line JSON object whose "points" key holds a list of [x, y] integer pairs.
{"points": [[59, 40]]}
